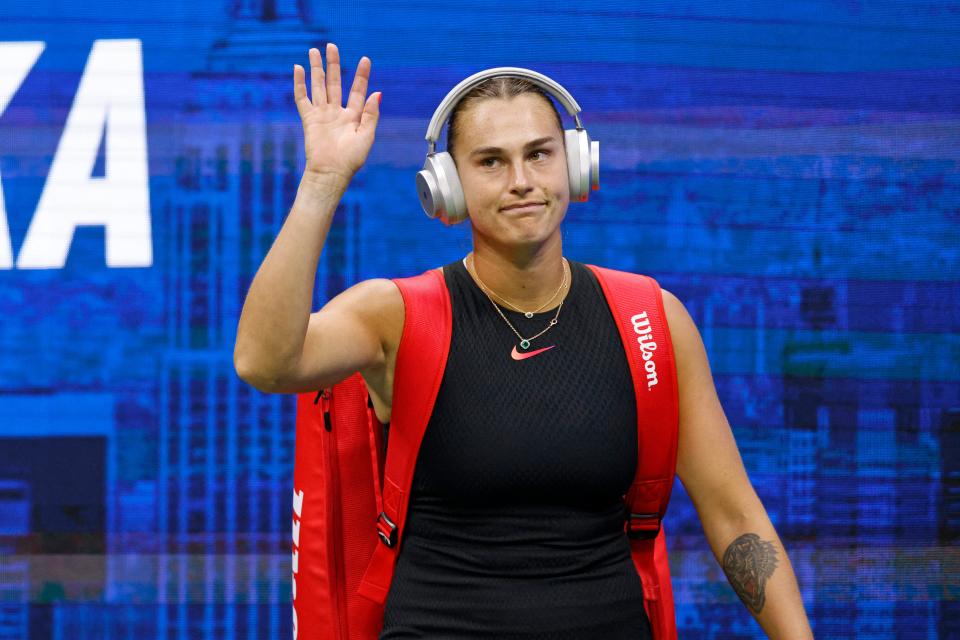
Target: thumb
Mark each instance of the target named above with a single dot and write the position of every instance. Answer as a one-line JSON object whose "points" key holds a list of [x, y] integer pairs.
{"points": [[371, 113]]}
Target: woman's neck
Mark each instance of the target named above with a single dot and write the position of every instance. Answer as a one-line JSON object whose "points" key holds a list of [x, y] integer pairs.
{"points": [[527, 286]]}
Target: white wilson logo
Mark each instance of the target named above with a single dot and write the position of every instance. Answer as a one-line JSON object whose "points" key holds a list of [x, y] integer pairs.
{"points": [[641, 325], [297, 511]]}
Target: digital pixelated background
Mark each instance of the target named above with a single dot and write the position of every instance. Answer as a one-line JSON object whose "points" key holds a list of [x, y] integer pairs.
{"points": [[791, 171]]}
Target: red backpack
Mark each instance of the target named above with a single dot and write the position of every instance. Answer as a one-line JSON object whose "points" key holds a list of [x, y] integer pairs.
{"points": [[351, 491]]}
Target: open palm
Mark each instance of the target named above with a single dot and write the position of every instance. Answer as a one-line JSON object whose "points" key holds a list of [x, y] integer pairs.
{"points": [[337, 139]]}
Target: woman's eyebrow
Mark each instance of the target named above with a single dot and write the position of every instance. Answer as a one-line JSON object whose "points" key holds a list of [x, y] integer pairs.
{"points": [[532, 143]]}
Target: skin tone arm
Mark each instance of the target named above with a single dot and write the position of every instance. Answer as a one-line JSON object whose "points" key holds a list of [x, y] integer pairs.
{"points": [[737, 527], [273, 323]]}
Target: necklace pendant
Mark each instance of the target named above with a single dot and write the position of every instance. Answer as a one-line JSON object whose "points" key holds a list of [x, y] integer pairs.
{"points": [[524, 344], [529, 314]]}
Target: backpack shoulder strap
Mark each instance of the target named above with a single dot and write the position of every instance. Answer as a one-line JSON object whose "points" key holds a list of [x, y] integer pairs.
{"points": [[421, 360], [637, 306]]}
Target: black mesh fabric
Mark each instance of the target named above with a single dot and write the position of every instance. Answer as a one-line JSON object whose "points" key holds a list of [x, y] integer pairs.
{"points": [[515, 523]]}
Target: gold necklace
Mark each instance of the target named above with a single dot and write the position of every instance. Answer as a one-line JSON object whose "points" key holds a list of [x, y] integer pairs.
{"points": [[514, 307], [524, 342]]}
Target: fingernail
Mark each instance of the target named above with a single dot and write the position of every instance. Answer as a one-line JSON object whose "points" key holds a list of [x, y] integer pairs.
{"points": [[379, 98]]}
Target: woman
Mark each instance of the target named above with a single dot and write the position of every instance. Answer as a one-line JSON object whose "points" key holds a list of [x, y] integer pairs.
{"points": [[515, 524]]}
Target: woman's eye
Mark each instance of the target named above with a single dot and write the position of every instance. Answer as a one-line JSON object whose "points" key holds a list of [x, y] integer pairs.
{"points": [[486, 160], [541, 152]]}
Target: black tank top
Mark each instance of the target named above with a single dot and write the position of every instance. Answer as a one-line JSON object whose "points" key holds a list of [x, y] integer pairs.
{"points": [[515, 523]]}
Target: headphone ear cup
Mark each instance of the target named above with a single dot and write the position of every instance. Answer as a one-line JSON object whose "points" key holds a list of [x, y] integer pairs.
{"points": [[439, 189], [579, 164]]}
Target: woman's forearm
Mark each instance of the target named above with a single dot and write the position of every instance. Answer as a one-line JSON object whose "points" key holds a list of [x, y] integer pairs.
{"points": [[757, 567], [273, 322]]}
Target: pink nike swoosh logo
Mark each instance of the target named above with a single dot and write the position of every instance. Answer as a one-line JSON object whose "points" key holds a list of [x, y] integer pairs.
{"points": [[516, 355]]}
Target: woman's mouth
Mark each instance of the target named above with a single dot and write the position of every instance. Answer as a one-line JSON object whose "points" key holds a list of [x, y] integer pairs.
{"points": [[524, 209]]}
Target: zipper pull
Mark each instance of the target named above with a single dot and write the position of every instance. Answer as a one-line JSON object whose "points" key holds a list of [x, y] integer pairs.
{"points": [[326, 396]]}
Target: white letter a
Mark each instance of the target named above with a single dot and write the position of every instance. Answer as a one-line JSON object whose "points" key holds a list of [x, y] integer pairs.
{"points": [[109, 103]]}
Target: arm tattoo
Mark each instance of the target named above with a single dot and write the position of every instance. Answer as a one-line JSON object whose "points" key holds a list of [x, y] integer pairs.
{"points": [[749, 562]]}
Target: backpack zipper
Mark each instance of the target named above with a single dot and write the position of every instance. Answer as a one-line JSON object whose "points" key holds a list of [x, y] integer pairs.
{"points": [[325, 394], [339, 604]]}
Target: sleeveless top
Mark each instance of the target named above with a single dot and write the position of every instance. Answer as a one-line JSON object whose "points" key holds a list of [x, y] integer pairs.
{"points": [[516, 515]]}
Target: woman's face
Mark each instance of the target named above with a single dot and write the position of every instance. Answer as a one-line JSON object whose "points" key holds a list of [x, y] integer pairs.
{"points": [[510, 151]]}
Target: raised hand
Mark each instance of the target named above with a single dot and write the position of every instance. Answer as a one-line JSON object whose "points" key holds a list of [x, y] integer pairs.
{"points": [[337, 139]]}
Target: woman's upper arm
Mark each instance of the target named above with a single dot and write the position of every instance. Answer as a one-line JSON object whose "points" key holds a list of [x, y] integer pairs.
{"points": [[708, 461], [345, 336]]}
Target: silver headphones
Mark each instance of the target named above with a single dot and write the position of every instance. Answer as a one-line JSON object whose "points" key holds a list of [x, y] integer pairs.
{"points": [[438, 184]]}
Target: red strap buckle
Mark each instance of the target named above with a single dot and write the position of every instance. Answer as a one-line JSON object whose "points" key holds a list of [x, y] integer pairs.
{"points": [[643, 526], [386, 529]]}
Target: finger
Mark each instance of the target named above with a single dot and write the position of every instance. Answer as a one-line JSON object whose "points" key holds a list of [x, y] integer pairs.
{"points": [[300, 90], [371, 114], [358, 91], [318, 92], [334, 95]]}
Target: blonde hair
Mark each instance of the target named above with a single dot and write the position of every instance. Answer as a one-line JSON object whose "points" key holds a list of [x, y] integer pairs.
{"points": [[503, 87]]}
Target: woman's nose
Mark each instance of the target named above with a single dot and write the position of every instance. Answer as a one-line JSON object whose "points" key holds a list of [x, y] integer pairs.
{"points": [[520, 179]]}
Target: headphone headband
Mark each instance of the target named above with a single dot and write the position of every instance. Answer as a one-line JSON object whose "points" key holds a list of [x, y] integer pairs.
{"points": [[449, 102]]}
